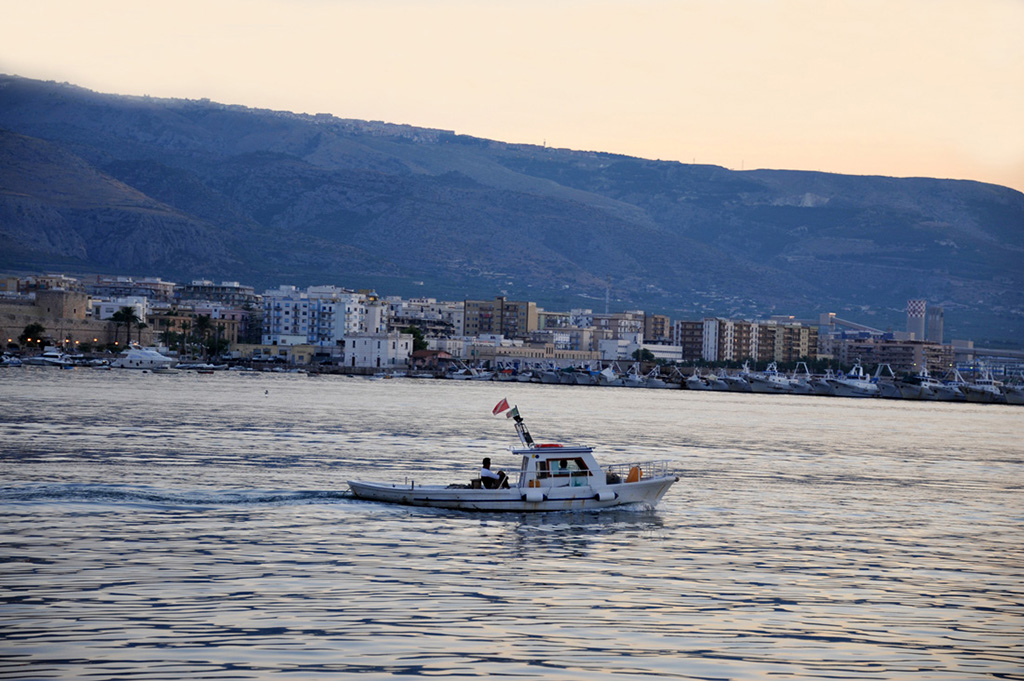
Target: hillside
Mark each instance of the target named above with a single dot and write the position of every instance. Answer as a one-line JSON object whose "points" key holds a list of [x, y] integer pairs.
{"points": [[185, 189]]}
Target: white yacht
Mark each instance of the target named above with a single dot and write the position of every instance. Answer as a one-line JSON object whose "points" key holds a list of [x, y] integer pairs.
{"points": [[51, 357], [143, 358]]}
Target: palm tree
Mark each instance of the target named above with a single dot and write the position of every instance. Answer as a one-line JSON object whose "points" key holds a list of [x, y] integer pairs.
{"points": [[202, 328], [183, 338], [127, 316], [118, 319]]}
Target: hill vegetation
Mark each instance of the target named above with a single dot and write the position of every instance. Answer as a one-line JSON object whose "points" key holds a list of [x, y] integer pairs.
{"points": [[186, 189]]}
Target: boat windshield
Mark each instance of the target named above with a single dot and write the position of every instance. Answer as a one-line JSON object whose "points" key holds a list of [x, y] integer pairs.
{"points": [[567, 467]]}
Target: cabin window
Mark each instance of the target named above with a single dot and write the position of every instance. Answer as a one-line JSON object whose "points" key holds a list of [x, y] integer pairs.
{"points": [[568, 467]]}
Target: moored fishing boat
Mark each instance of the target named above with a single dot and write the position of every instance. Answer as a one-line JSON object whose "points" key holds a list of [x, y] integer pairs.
{"points": [[1013, 392], [696, 382], [921, 386], [984, 388], [716, 381], [736, 383], [552, 477], [768, 381], [822, 384], [800, 380], [885, 379], [854, 384]]}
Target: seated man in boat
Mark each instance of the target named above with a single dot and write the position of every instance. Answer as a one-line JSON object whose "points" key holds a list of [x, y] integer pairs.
{"points": [[490, 479]]}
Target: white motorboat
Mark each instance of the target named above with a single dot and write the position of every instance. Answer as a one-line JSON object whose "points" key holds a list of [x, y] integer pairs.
{"points": [[552, 477], [142, 358], [206, 366], [854, 384], [10, 361], [50, 357]]}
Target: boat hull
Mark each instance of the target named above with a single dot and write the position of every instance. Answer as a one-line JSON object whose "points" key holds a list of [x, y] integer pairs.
{"points": [[768, 386], [517, 500], [851, 389]]}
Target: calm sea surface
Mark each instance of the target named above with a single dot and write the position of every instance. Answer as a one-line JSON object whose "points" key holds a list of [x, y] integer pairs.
{"points": [[189, 526]]}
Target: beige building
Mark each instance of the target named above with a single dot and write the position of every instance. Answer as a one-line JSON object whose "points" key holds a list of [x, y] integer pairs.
{"points": [[64, 315], [782, 342], [500, 317], [657, 328], [530, 353], [903, 356]]}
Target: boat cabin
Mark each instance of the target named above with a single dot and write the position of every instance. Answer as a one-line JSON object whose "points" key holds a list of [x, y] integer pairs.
{"points": [[558, 466]]}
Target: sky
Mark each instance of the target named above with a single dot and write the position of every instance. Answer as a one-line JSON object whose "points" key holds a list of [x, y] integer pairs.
{"points": [[904, 88]]}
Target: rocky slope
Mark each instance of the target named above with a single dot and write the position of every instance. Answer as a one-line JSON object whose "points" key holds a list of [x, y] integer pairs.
{"points": [[183, 189]]}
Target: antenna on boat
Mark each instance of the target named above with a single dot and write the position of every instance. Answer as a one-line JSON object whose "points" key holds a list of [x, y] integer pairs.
{"points": [[524, 433]]}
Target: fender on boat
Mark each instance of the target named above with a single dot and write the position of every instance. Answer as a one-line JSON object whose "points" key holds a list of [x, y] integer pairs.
{"points": [[534, 495], [606, 495]]}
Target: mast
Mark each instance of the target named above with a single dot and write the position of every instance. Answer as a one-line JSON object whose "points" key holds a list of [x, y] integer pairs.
{"points": [[524, 433]]}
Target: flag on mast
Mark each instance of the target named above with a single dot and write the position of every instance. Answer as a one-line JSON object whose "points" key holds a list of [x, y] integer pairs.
{"points": [[512, 414], [500, 407]]}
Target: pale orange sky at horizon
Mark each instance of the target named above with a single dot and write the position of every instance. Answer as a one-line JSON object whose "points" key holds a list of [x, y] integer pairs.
{"points": [[869, 87]]}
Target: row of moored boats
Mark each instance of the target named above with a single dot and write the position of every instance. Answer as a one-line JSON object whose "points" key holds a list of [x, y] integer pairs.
{"points": [[854, 383], [147, 359]]}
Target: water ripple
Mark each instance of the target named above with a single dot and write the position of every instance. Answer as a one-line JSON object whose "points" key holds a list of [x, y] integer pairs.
{"points": [[208, 535]]}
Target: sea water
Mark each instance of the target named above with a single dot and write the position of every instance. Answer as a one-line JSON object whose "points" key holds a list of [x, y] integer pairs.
{"points": [[197, 526]]}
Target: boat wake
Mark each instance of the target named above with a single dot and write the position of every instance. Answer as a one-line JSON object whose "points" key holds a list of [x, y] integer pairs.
{"points": [[135, 495]]}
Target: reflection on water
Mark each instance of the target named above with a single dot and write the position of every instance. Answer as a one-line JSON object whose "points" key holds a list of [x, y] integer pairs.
{"points": [[168, 527]]}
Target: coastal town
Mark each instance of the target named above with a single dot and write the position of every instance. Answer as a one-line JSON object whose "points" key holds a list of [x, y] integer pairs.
{"points": [[330, 329]]}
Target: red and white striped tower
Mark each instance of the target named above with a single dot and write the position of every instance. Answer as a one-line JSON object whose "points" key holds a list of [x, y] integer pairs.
{"points": [[916, 318]]}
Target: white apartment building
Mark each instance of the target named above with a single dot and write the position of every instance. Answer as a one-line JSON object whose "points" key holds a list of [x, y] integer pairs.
{"points": [[451, 314], [378, 350], [105, 309], [321, 316]]}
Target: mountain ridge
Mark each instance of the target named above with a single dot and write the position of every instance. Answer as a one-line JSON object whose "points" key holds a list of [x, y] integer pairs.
{"points": [[225, 191]]}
